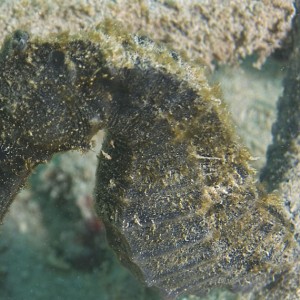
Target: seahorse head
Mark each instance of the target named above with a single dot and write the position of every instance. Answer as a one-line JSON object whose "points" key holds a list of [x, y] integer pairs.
{"points": [[47, 91]]}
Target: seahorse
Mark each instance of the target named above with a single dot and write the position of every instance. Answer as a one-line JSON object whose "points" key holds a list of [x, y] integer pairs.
{"points": [[175, 188]]}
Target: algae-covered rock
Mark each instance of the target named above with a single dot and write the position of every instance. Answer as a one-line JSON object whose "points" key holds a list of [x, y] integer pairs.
{"points": [[212, 31]]}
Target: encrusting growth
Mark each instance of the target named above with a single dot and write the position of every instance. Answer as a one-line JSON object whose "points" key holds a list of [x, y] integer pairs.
{"points": [[174, 187], [212, 31]]}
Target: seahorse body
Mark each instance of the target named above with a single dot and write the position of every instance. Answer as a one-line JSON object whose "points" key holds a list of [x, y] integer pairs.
{"points": [[174, 186]]}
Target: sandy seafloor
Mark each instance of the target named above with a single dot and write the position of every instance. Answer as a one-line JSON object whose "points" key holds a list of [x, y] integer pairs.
{"points": [[51, 253]]}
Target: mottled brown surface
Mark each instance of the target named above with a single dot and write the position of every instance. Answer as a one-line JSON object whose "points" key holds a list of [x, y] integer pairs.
{"points": [[174, 187], [282, 171], [210, 31]]}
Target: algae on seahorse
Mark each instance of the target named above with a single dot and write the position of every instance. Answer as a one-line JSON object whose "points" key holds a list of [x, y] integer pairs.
{"points": [[174, 186]]}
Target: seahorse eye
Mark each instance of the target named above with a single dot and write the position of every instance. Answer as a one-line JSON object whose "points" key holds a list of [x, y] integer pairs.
{"points": [[20, 40], [57, 58]]}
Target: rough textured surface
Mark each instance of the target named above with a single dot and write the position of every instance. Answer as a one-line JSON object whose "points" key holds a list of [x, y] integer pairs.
{"points": [[41, 17], [282, 171], [209, 31], [175, 189]]}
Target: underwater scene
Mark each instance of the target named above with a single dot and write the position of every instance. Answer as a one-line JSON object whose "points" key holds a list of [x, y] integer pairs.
{"points": [[149, 150]]}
